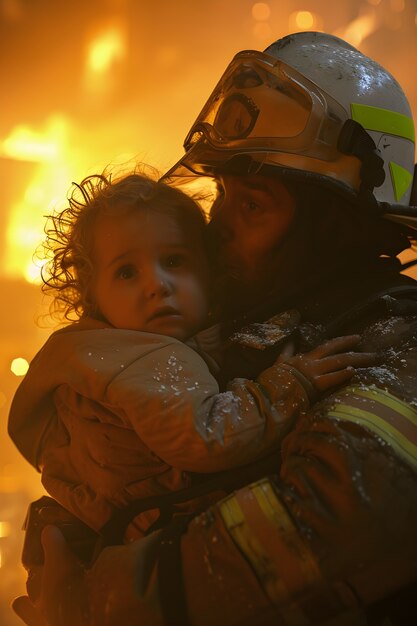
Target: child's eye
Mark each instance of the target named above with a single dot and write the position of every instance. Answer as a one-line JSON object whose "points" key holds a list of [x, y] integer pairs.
{"points": [[126, 272]]}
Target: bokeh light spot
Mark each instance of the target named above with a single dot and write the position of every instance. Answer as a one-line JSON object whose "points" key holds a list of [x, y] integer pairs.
{"points": [[261, 11], [304, 19], [19, 366]]}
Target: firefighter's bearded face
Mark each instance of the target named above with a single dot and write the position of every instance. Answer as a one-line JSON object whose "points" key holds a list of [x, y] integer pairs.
{"points": [[249, 220]]}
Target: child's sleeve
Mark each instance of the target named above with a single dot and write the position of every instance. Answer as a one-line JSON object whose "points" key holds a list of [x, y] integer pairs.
{"points": [[173, 403]]}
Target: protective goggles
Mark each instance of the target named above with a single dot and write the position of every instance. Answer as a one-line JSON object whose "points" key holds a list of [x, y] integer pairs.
{"points": [[262, 105]]}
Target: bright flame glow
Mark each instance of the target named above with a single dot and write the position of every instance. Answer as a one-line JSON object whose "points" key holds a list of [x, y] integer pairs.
{"points": [[261, 11], [5, 529], [33, 271], [25, 144], [58, 165], [105, 50], [19, 366], [359, 29], [25, 228], [51, 181]]}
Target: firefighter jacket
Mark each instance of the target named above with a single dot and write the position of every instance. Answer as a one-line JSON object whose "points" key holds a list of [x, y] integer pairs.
{"points": [[328, 532]]}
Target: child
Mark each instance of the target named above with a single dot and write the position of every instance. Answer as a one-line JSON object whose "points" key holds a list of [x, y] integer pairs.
{"points": [[116, 406]]}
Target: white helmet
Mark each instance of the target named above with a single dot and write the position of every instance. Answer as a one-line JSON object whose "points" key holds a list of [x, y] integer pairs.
{"points": [[317, 109]]}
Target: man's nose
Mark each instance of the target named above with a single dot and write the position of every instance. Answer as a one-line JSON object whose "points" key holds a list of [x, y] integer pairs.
{"points": [[220, 231], [219, 235]]}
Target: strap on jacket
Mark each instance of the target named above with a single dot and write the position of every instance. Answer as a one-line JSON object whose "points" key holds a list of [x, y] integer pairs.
{"points": [[170, 574], [113, 531]]}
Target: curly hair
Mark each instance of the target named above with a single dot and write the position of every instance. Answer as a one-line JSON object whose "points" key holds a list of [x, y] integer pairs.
{"points": [[68, 270]]}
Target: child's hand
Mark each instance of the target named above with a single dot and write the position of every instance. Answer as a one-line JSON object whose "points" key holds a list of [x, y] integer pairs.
{"points": [[330, 365]]}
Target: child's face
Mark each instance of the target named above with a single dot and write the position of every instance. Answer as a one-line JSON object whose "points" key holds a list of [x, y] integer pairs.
{"points": [[150, 274]]}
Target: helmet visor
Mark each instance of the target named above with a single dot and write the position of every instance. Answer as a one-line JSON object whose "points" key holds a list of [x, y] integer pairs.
{"points": [[262, 105]]}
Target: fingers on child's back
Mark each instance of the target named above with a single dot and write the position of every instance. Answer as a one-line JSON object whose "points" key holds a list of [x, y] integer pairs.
{"points": [[333, 379], [349, 359], [333, 346]]}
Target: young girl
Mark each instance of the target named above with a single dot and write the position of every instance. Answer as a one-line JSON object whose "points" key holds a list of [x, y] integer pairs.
{"points": [[116, 406]]}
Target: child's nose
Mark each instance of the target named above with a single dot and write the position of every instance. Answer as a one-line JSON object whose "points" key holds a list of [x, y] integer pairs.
{"points": [[157, 284]]}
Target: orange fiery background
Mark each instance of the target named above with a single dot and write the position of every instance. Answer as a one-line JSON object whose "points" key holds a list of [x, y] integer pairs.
{"points": [[85, 84]]}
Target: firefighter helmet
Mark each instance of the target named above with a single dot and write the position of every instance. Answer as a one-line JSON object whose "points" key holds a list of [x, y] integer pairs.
{"points": [[315, 108]]}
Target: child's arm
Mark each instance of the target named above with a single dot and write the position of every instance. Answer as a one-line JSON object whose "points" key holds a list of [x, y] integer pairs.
{"points": [[168, 396], [177, 410]]}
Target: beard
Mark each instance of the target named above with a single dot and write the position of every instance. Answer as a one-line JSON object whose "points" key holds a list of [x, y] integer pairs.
{"points": [[281, 275]]}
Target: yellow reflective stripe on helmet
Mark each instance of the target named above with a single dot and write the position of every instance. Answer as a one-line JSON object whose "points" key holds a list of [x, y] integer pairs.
{"points": [[383, 120], [387, 416], [248, 537], [401, 179]]}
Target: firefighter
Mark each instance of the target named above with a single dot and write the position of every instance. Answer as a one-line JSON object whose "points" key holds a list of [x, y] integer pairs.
{"points": [[311, 144]]}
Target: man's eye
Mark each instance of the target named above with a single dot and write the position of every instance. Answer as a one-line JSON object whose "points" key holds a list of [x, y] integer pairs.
{"points": [[252, 208], [126, 272], [175, 260]]}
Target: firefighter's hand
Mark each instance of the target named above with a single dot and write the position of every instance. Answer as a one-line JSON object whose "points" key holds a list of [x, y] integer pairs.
{"points": [[60, 601], [332, 363]]}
